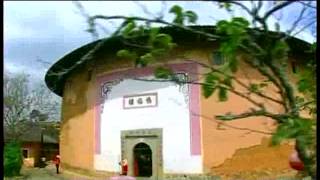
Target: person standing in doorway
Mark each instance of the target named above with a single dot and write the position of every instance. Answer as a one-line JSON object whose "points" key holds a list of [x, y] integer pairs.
{"points": [[56, 161]]}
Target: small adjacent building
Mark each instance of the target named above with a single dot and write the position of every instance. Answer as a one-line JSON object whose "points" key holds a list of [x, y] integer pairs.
{"points": [[161, 128], [36, 142]]}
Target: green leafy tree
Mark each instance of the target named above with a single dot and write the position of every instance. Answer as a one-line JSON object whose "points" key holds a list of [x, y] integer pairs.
{"points": [[12, 159], [265, 51]]}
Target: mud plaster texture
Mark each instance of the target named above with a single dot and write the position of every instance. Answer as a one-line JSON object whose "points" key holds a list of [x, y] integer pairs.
{"points": [[260, 161]]}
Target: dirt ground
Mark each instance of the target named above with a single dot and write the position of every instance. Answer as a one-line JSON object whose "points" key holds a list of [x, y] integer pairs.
{"points": [[49, 173]]}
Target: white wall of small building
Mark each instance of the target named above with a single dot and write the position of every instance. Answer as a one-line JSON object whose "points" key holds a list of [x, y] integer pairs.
{"points": [[171, 114]]}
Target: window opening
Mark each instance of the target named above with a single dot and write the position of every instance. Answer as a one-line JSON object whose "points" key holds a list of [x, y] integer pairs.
{"points": [[294, 68], [25, 153], [217, 58]]}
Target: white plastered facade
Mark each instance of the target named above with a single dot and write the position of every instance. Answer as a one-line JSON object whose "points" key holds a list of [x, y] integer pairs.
{"points": [[171, 114]]}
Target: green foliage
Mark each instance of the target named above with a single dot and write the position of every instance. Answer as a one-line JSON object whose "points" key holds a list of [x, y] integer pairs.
{"points": [[152, 35], [192, 17], [159, 52], [162, 41], [225, 5], [124, 53], [280, 50], [303, 85], [303, 131], [210, 83], [307, 82], [233, 63], [163, 73], [254, 87], [177, 10], [263, 84], [146, 59], [236, 26], [234, 33], [144, 52], [294, 128], [227, 81], [223, 94], [128, 29], [12, 159], [181, 16]]}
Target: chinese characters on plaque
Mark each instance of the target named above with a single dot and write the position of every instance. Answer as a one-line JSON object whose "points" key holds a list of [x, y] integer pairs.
{"points": [[140, 101]]}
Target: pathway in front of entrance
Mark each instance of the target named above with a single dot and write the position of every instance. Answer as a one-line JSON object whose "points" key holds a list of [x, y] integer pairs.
{"points": [[49, 173]]}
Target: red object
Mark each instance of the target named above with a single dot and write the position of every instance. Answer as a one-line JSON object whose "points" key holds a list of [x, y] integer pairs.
{"points": [[295, 162], [56, 159], [136, 168], [125, 169], [297, 165]]}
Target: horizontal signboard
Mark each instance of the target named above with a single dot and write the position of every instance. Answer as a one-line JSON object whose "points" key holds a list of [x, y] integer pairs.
{"points": [[140, 100]]}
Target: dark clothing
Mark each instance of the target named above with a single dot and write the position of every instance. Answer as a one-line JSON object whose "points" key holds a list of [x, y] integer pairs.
{"points": [[57, 167]]}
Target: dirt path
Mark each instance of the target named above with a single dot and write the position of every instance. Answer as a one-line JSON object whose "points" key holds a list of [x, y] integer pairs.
{"points": [[49, 173]]}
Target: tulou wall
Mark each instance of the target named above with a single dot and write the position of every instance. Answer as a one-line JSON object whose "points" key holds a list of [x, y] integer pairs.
{"points": [[192, 142]]}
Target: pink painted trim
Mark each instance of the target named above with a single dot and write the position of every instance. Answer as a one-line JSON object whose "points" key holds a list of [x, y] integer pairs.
{"points": [[97, 128], [194, 105]]}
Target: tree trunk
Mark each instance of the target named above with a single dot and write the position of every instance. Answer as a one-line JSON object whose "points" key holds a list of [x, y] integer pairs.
{"points": [[308, 155]]}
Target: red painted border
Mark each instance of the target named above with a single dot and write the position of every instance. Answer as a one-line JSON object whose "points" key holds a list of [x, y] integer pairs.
{"points": [[194, 100]]}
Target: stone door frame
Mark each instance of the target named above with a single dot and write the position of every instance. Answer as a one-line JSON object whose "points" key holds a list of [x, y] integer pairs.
{"points": [[151, 137]]}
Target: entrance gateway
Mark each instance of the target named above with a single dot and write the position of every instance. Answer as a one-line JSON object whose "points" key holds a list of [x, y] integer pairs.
{"points": [[143, 150]]}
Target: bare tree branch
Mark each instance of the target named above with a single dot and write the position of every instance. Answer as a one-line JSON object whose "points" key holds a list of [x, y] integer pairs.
{"points": [[237, 80], [285, 83], [46, 63], [304, 105], [242, 6], [304, 27], [163, 10], [240, 94], [81, 9], [260, 4], [296, 22], [269, 76], [136, 45], [91, 30], [144, 9], [253, 112], [160, 21], [276, 8], [308, 4], [233, 127]]}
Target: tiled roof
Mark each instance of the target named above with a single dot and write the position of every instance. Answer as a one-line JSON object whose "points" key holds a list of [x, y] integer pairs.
{"points": [[71, 61], [33, 134]]}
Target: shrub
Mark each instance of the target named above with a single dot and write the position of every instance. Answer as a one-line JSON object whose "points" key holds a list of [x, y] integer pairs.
{"points": [[12, 159]]}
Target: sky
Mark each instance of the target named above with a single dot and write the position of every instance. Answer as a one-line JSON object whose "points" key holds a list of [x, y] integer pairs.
{"points": [[48, 30]]}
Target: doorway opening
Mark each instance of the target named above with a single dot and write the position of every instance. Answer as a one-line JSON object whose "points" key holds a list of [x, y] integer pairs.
{"points": [[142, 160]]}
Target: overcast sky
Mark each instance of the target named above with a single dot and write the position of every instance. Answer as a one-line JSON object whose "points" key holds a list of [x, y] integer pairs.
{"points": [[48, 30]]}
